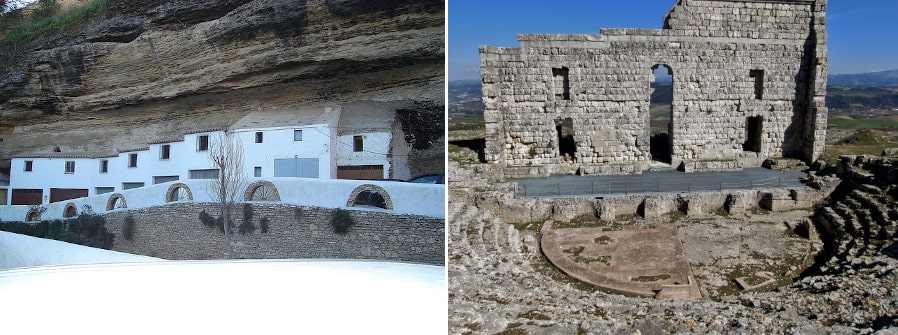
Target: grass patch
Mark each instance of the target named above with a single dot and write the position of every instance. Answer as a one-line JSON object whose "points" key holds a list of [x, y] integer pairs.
{"points": [[47, 23], [851, 123], [575, 255], [647, 279], [862, 142]]}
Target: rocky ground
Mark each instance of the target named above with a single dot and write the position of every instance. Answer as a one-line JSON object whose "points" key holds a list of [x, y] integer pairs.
{"points": [[500, 283]]}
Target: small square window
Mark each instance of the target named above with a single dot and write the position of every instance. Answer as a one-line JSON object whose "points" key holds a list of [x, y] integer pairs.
{"points": [[69, 167], [132, 160], [258, 137], [202, 143], [358, 143], [758, 76], [29, 166], [165, 152], [257, 171], [297, 135], [104, 166]]}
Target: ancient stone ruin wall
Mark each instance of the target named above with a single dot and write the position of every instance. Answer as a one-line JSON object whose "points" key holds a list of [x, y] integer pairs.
{"points": [[748, 84]]}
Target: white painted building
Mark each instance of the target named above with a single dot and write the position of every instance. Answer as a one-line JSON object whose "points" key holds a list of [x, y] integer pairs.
{"points": [[343, 142]]}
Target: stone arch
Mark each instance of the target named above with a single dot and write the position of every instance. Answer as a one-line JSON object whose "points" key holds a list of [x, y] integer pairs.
{"points": [[178, 192], [116, 201], [261, 191], [661, 132], [70, 211], [370, 195], [33, 215]]}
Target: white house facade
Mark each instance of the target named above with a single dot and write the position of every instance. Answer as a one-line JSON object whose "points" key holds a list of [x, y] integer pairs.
{"points": [[315, 142]]}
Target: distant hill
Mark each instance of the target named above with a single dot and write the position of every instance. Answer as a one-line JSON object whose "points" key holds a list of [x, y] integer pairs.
{"points": [[871, 79], [859, 95]]}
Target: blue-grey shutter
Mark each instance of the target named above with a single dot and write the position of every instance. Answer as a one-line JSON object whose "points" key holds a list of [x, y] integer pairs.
{"points": [[296, 167]]}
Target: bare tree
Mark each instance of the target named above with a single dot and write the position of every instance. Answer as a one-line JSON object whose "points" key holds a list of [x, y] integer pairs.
{"points": [[226, 154]]}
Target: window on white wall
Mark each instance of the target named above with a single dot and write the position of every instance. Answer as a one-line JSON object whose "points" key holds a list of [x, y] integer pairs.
{"points": [[104, 166], [128, 186], [69, 167], [358, 143], [165, 152], [202, 143], [102, 190], [257, 171], [132, 160], [258, 137], [297, 135], [29, 166], [204, 174], [164, 179]]}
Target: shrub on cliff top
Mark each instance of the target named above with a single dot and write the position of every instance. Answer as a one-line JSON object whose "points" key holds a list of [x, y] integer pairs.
{"points": [[47, 19]]}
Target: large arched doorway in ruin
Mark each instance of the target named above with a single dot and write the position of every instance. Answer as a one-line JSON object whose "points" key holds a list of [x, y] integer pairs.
{"points": [[661, 113]]}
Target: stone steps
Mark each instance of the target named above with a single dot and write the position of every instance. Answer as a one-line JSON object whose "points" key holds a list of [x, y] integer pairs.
{"points": [[848, 218], [874, 204]]}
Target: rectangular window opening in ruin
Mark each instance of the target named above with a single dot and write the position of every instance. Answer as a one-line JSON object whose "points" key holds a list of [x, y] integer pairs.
{"points": [[567, 147], [562, 83], [753, 131], [758, 75]]}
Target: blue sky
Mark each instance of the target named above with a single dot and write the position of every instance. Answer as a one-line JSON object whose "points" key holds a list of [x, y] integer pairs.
{"points": [[862, 33]]}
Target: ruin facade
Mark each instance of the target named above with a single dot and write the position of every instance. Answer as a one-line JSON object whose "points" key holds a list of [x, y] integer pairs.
{"points": [[749, 83]]}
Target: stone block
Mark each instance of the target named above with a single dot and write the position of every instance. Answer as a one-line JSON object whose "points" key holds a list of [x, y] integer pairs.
{"points": [[736, 203]]}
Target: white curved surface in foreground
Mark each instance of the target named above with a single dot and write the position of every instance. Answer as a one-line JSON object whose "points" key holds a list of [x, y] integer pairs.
{"points": [[20, 251], [226, 297]]}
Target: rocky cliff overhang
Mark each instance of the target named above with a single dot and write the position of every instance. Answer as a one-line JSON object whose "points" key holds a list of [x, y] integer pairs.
{"points": [[170, 65]]}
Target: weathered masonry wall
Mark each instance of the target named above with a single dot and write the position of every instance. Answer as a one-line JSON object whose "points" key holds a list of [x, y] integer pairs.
{"points": [[505, 206], [174, 232], [749, 80]]}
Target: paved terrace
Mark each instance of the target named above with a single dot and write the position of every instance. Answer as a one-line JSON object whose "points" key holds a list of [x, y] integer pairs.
{"points": [[656, 181]]}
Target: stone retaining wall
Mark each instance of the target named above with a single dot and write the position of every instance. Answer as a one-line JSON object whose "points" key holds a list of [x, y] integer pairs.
{"points": [[175, 232], [650, 206]]}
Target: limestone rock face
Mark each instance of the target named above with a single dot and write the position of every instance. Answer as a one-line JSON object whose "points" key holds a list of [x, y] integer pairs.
{"points": [[154, 69]]}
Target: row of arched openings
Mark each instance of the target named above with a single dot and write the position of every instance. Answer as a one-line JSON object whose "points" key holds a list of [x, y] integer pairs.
{"points": [[367, 195]]}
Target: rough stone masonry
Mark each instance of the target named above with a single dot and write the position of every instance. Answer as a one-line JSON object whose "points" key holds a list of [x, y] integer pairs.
{"points": [[749, 81]]}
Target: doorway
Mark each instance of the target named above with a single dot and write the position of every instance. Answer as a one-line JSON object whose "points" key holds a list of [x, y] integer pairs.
{"points": [[661, 114], [753, 128], [567, 147]]}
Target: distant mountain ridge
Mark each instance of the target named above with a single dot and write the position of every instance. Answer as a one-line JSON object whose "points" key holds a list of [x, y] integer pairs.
{"points": [[872, 79]]}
